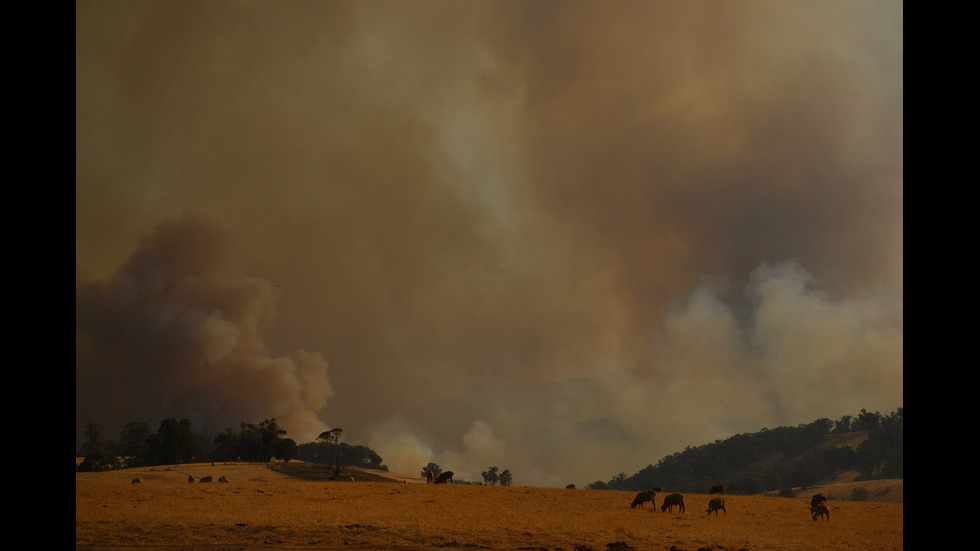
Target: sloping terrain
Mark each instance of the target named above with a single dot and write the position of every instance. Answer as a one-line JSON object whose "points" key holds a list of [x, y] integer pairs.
{"points": [[314, 471]]}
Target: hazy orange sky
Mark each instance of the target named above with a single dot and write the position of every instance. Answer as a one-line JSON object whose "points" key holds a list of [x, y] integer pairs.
{"points": [[565, 238]]}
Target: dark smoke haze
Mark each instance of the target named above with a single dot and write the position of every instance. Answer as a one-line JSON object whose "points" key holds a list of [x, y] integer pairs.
{"points": [[566, 238]]}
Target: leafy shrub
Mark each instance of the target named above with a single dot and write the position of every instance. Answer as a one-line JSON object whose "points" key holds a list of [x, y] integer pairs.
{"points": [[97, 462]]}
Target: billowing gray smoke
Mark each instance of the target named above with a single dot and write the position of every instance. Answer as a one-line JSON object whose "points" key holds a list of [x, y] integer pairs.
{"points": [[177, 332], [564, 238]]}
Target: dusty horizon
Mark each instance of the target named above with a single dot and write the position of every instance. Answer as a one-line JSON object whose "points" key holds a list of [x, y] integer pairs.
{"points": [[563, 238]]}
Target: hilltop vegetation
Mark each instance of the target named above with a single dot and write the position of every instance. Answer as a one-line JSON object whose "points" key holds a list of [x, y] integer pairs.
{"points": [[177, 443], [770, 460], [780, 459]]}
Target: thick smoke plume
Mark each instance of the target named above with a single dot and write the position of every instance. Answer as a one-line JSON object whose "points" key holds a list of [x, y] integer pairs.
{"points": [[564, 238], [177, 332]]}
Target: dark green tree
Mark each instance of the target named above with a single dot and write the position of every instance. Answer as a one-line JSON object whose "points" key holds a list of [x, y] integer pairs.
{"points": [[133, 446], [331, 441], [347, 454], [867, 420], [432, 468], [772, 480], [881, 455], [286, 449], [253, 442], [94, 442], [490, 476], [134, 434], [360, 456], [746, 486], [225, 446], [844, 424], [173, 443], [98, 462], [259, 442]]}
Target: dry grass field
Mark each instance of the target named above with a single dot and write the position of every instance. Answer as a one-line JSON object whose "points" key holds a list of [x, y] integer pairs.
{"points": [[262, 509]]}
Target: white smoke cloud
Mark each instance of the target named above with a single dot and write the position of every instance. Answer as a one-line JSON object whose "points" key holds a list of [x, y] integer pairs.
{"points": [[403, 452], [797, 356], [794, 356]]}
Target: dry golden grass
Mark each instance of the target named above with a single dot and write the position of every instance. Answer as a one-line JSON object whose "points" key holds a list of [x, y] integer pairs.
{"points": [[260, 508]]}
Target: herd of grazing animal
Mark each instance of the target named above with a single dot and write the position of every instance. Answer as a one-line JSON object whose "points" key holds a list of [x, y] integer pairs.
{"points": [[818, 503]]}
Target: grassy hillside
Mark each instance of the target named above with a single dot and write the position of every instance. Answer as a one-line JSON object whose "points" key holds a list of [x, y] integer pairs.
{"points": [[781, 459], [261, 508], [310, 471]]}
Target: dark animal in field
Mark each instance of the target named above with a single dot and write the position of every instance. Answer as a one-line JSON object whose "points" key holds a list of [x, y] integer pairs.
{"points": [[644, 497], [190, 478], [717, 489], [656, 489], [428, 476], [444, 477], [137, 481], [818, 506], [820, 510], [674, 499], [716, 504], [570, 487], [223, 479], [208, 478]]}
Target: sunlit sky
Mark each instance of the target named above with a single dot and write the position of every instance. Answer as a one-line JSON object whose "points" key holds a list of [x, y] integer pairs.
{"points": [[564, 238]]}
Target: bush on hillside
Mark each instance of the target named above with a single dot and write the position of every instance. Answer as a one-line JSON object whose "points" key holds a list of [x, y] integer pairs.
{"points": [[97, 462]]}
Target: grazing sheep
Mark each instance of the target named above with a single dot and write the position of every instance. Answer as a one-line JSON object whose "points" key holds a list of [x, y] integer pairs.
{"points": [[570, 487], [644, 497], [717, 489], [674, 499], [190, 479], [444, 477], [820, 509], [137, 481], [223, 479], [715, 504], [208, 478]]}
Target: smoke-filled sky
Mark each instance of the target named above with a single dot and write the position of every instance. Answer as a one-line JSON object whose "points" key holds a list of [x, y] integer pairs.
{"points": [[564, 238]]}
